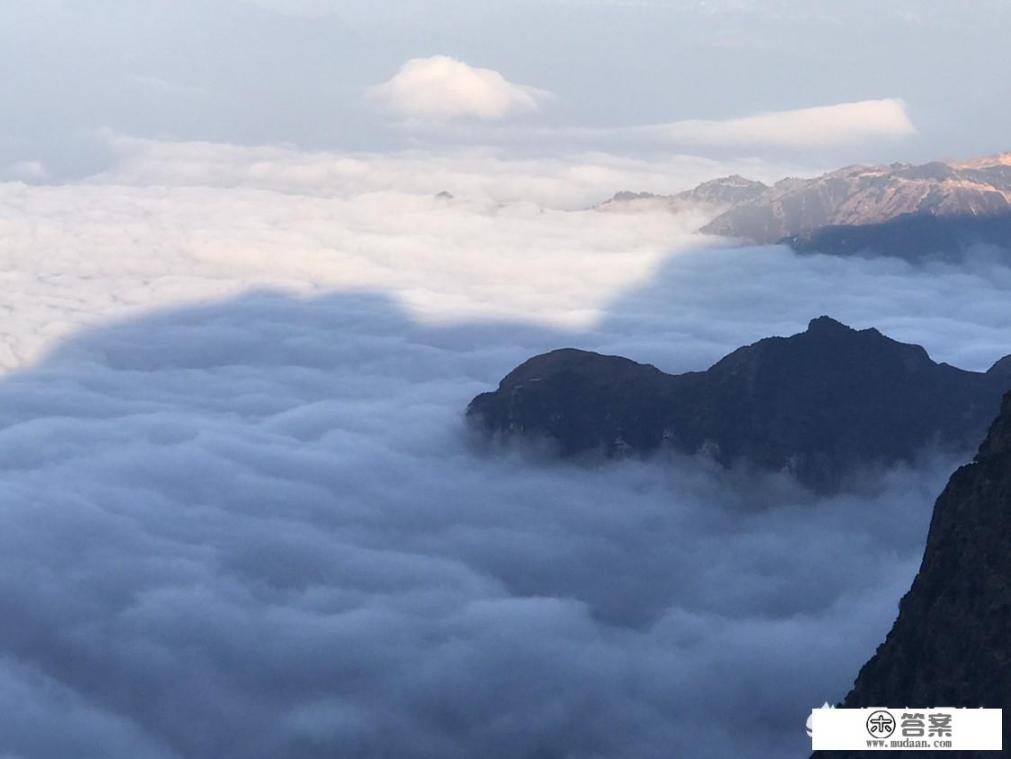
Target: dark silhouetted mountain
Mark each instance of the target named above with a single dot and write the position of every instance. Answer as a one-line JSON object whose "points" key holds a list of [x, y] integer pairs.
{"points": [[911, 236], [951, 643], [868, 195], [718, 193], [821, 404]]}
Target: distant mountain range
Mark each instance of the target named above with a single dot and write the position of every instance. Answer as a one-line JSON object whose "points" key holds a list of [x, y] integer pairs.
{"points": [[820, 405], [901, 209], [951, 643], [721, 193]]}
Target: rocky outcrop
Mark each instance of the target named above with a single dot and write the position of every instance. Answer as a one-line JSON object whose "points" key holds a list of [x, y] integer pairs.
{"points": [[951, 642], [820, 405]]}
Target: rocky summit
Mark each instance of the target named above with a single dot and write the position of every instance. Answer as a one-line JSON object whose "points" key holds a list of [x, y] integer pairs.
{"points": [[820, 405], [717, 194]]}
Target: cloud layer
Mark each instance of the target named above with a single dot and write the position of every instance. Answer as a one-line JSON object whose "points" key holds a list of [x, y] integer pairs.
{"points": [[278, 542], [442, 88], [828, 126], [251, 523], [569, 181]]}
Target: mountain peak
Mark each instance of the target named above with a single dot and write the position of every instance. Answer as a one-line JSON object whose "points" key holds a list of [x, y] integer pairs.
{"points": [[820, 404], [997, 159], [828, 325], [1001, 366], [718, 193], [822, 212]]}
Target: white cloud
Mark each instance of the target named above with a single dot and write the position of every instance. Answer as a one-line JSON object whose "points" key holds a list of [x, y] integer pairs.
{"points": [[179, 222], [829, 125], [832, 126], [261, 513], [570, 182], [441, 88]]}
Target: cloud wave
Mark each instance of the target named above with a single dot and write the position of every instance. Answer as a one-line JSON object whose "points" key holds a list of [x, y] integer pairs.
{"points": [[250, 524], [255, 529]]}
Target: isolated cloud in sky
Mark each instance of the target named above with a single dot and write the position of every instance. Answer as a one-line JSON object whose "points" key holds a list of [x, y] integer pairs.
{"points": [[830, 125], [442, 88], [253, 525]]}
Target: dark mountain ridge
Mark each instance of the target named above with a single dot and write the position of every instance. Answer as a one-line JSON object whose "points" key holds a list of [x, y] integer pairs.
{"points": [[913, 236], [820, 405]]}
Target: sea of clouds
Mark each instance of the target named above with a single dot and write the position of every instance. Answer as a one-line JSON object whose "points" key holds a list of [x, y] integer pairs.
{"points": [[241, 516]]}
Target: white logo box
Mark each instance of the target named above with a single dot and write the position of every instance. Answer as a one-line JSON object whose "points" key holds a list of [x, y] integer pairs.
{"points": [[909, 729]]}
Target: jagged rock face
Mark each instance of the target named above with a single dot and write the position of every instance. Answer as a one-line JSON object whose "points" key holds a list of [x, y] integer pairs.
{"points": [[861, 195], [821, 404], [951, 643]]}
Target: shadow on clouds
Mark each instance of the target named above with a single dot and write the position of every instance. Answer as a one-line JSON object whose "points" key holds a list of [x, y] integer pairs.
{"points": [[256, 528]]}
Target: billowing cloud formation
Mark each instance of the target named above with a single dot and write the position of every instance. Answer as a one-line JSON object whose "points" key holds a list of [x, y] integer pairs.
{"points": [[256, 527], [829, 125], [441, 88]]}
